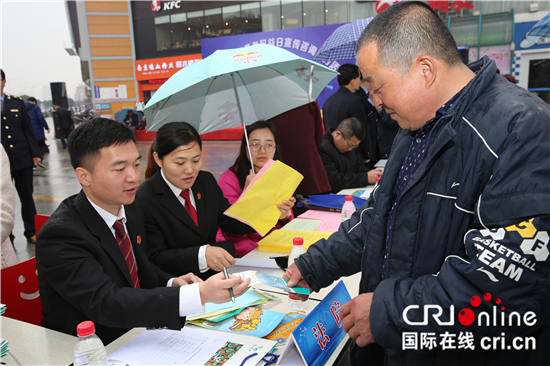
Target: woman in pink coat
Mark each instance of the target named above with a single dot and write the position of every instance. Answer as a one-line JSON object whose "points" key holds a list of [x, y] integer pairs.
{"points": [[262, 137]]}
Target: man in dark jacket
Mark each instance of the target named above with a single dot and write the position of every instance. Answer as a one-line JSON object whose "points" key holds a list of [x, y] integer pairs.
{"points": [[63, 122], [38, 125], [453, 244], [20, 144], [344, 169]]}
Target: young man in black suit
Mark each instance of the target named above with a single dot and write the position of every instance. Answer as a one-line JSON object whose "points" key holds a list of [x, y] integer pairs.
{"points": [[90, 254], [19, 141]]}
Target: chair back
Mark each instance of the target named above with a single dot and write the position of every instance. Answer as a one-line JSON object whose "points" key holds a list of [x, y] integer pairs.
{"points": [[19, 291], [39, 221]]}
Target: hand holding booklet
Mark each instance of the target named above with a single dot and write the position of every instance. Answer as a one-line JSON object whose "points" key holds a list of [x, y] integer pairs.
{"points": [[273, 281], [257, 205]]}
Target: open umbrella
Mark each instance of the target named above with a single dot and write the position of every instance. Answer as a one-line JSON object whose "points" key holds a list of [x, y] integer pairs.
{"points": [[340, 45], [542, 28], [237, 87], [120, 115]]}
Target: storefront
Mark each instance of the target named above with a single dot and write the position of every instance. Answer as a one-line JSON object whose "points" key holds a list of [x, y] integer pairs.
{"points": [[152, 73], [532, 61]]}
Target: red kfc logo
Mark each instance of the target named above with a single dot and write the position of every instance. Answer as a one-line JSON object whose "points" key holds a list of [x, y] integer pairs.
{"points": [[155, 6], [383, 4]]}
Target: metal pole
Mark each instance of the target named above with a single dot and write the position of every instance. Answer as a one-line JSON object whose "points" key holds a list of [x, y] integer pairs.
{"points": [[242, 120]]}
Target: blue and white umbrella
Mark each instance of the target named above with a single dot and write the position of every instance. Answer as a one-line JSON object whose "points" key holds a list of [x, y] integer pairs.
{"points": [[542, 28], [340, 45]]}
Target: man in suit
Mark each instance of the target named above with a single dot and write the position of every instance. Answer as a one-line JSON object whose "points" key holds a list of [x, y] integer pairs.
{"points": [[344, 169], [345, 103], [131, 120], [371, 123], [90, 254], [20, 144], [64, 123]]}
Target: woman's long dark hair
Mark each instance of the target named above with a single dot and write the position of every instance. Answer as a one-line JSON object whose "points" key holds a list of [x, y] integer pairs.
{"points": [[241, 168], [169, 137]]}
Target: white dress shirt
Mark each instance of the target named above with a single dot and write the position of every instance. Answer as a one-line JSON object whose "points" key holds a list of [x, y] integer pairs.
{"points": [[190, 297], [203, 265]]}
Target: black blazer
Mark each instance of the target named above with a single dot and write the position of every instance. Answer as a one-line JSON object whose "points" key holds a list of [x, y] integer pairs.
{"points": [[341, 105], [173, 238], [344, 170], [82, 275], [17, 133], [62, 118]]}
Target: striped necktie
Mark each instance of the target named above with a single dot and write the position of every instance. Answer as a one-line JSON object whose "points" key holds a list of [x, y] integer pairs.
{"points": [[189, 207], [126, 248]]}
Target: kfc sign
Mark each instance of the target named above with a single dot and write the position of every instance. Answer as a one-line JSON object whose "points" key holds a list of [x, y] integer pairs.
{"points": [[168, 5], [443, 6], [155, 6]]}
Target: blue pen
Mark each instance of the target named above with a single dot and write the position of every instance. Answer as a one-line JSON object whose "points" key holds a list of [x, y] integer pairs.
{"points": [[230, 289]]}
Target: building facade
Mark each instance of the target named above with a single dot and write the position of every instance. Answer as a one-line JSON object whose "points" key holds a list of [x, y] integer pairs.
{"points": [[129, 48]]}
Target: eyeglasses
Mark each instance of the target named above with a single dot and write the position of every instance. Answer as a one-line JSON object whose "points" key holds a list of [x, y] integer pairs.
{"points": [[348, 145], [269, 148]]}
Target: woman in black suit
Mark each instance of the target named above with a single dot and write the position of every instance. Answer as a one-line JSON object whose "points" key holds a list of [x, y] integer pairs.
{"points": [[184, 206]]}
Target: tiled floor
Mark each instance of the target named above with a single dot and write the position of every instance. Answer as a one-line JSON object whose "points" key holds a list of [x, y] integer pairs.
{"points": [[58, 181]]}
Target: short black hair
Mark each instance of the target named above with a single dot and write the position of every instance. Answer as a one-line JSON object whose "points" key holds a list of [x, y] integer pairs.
{"points": [[3, 75], [89, 138], [168, 138], [348, 72], [407, 30], [352, 127], [31, 100]]}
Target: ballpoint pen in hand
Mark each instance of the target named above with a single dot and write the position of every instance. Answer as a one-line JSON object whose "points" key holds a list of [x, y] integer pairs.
{"points": [[230, 289]]}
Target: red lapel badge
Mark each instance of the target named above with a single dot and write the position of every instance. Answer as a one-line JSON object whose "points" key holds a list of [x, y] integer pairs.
{"points": [[199, 195], [139, 239]]}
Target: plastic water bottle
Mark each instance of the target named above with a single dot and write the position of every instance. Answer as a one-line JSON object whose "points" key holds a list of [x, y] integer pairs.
{"points": [[348, 209], [295, 302], [89, 350]]}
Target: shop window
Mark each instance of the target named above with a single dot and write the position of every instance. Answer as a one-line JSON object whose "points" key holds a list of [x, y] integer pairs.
{"points": [[271, 15], [313, 13], [336, 12], [496, 28], [179, 31], [252, 19], [465, 31], [291, 14], [163, 33], [361, 10], [195, 26], [213, 23], [539, 78], [232, 20]]}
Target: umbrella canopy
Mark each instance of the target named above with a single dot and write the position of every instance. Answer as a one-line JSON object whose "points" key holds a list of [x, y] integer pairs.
{"points": [[120, 115], [237, 87], [542, 28], [340, 45]]}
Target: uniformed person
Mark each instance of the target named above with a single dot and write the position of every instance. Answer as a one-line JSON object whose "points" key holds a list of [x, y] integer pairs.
{"points": [[20, 144]]}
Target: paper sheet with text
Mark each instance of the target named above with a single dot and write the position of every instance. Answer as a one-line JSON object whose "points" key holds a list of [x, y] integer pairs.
{"points": [[257, 205]]}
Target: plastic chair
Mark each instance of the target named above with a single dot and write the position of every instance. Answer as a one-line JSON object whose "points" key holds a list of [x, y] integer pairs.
{"points": [[39, 221], [19, 291]]}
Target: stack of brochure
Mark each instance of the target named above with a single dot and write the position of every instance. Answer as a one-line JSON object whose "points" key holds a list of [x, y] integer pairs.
{"points": [[3, 343], [3, 347]]}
